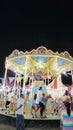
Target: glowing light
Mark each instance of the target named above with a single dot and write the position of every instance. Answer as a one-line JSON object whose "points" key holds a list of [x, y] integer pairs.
{"points": [[64, 73], [40, 65]]}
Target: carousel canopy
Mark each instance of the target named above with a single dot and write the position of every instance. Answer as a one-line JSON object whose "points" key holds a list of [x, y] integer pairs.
{"points": [[39, 61]]}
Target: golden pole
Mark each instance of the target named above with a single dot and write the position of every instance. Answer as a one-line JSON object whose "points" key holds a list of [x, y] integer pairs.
{"points": [[5, 76], [32, 77]]}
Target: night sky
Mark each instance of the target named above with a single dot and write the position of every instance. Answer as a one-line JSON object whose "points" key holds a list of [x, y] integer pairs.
{"points": [[27, 25]]}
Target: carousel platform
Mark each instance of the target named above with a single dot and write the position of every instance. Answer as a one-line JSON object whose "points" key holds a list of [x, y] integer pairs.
{"points": [[32, 123], [30, 116]]}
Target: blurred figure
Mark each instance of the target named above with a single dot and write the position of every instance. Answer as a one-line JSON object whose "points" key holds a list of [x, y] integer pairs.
{"points": [[20, 113], [66, 97], [37, 99], [66, 117], [43, 105], [39, 95], [71, 104], [9, 99], [72, 92]]}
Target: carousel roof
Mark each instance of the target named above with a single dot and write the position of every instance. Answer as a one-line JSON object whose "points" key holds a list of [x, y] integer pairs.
{"points": [[39, 61]]}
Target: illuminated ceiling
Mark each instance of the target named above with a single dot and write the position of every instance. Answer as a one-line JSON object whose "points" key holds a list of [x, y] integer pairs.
{"points": [[39, 61]]}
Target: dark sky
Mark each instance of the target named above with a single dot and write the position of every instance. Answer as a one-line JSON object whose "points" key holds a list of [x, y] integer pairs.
{"points": [[26, 25]]}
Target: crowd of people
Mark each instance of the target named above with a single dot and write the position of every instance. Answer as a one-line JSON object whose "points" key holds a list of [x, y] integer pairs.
{"points": [[66, 108], [64, 105]]}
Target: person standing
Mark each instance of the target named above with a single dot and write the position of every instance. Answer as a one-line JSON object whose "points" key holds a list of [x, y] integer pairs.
{"points": [[20, 113], [43, 105], [67, 117], [66, 97], [39, 95], [37, 101]]}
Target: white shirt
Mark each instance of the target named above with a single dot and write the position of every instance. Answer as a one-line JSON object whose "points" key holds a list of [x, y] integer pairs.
{"points": [[20, 102], [7, 88], [9, 96], [39, 96], [72, 92]]}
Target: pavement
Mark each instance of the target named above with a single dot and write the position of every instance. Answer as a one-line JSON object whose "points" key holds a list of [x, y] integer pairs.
{"points": [[7, 123]]}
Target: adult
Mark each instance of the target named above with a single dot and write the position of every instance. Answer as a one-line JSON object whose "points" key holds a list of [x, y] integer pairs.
{"points": [[67, 117], [39, 95], [37, 100], [20, 113], [66, 97], [43, 105]]}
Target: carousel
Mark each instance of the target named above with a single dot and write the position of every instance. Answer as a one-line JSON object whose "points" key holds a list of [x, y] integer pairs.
{"points": [[39, 67]]}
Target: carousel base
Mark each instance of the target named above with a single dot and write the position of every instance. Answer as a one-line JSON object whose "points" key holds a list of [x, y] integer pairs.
{"points": [[32, 123], [30, 116]]}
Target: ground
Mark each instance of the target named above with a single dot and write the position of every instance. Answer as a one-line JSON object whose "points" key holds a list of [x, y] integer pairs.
{"points": [[7, 123]]}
